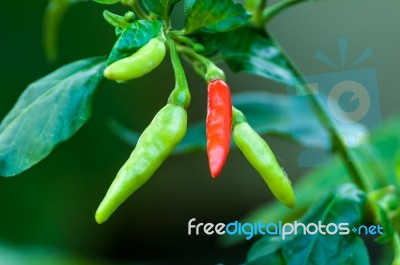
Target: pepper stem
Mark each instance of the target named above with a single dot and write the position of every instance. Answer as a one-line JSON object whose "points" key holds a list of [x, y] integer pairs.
{"points": [[238, 117], [180, 95], [212, 71]]}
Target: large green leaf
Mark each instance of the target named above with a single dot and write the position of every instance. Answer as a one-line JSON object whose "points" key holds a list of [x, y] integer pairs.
{"points": [[161, 8], [267, 113], [50, 111], [133, 37], [344, 205], [214, 16], [254, 53]]}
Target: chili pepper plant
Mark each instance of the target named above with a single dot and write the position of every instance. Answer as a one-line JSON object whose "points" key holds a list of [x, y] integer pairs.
{"points": [[217, 36]]}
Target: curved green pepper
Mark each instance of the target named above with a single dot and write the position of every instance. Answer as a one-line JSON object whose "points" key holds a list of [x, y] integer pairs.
{"points": [[259, 154], [138, 64], [155, 144]]}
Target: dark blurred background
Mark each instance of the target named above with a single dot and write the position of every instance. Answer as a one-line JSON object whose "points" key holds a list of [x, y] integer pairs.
{"points": [[53, 203]]}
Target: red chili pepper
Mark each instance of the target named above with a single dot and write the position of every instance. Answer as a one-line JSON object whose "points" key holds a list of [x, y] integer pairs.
{"points": [[218, 125]]}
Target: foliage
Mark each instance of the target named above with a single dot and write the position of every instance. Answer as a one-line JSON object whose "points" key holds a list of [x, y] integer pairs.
{"points": [[319, 249], [54, 108]]}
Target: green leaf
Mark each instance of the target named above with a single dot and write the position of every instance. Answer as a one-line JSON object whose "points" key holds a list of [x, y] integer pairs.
{"points": [[345, 205], [269, 251], [214, 16], [133, 37], [254, 53], [267, 113], [161, 8], [266, 248], [49, 112], [115, 20]]}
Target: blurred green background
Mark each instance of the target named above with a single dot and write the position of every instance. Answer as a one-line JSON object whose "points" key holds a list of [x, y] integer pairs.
{"points": [[53, 203]]}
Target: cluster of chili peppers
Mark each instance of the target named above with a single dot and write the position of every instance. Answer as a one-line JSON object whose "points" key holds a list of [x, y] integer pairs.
{"points": [[218, 130], [169, 126]]}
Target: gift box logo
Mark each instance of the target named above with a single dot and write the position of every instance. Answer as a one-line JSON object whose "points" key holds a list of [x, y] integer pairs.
{"points": [[348, 94]]}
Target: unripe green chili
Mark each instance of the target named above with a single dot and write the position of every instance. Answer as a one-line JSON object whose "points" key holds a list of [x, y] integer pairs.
{"points": [[155, 144], [142, 62], [259, 154]]}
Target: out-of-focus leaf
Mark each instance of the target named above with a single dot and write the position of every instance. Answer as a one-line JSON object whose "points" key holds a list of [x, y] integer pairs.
{"points": [[133, 37], [271, 248], [123, 132], [49, 112], [53, 15], [214, 16], [344, 205]]}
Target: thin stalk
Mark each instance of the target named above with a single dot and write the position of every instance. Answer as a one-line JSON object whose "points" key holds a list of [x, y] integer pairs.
{"points": [[396, 247], [136, 7], [351, 162], [197, 66], [139, 11], [212, 71], [257, 18], [272, 11], [189, 52], [197, 47], [180, 95]]}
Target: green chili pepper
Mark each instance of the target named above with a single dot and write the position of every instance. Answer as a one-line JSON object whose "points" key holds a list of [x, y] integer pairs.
{"points": [[142, 62], [154, 146], [259, 154]]}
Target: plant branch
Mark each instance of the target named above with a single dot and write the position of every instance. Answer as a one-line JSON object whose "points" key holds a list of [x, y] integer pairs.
{"points": [[212, 71], [272, 11], [136, 7], [356, 171], [396, 247], [197, 47], [192, 54], [257, 18], [197, 66], [181, 95]]}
